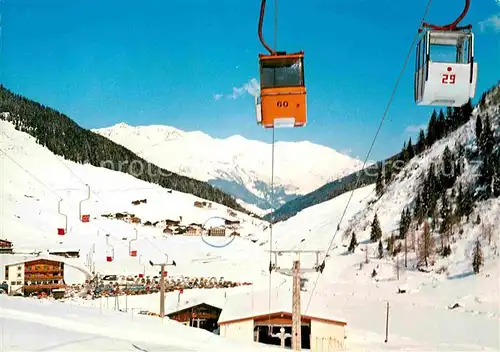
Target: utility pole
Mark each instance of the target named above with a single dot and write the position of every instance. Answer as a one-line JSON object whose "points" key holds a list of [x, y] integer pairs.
{"points": [[296, 271], [387, 323], [296, 314], [162, 282]]}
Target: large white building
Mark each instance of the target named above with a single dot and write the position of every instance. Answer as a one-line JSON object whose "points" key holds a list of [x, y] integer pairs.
{"points": [[247, 317]]}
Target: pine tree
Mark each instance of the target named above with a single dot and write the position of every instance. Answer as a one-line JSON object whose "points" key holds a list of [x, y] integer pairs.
{"points": [[410, 150], [459, 209], [432, 190], [495, 182], [379, 185], [420, 209], [408, 219], [466, 112], [353, 244], [468, 203], [380, 250], [404, 223], [479, 128], [446, 214], [376, 231], [487, 140], [388, 173], [447, 175], [431, 130], [477, 257], [390, 244], [486, 175], [404, 153], [450, 120], [420, 146], [440, 125], [495, 185]]}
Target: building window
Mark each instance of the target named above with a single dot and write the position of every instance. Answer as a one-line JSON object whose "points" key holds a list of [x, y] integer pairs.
{"points": [[19, 283], [18, 274], [12, 282], [19, 267]]}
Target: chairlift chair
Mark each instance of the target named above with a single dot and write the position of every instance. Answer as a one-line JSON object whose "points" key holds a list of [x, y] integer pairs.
{"points": [[110, 254]]}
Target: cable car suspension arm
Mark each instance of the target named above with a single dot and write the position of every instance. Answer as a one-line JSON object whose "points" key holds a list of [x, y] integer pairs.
{"points": [[452, 26], [261, 23]]}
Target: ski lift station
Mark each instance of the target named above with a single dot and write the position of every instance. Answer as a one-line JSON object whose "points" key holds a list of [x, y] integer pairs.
{"points": [[247, 317]]}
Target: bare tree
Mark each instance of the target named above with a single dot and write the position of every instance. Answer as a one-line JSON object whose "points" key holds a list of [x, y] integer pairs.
{"points": [[487, 231], [426, 245]]}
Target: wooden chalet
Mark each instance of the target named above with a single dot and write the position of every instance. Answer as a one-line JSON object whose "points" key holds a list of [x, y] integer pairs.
{"points": [[6, 247], [217, 231], [202, 315], [35, 276], [169, 222]]}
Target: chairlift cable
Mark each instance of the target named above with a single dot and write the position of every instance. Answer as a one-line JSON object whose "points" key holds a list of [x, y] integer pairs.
{"points": [[368, 154], [30, 174]]}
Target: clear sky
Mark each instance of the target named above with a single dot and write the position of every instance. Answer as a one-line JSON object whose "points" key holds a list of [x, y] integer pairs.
{"points": [[185, 63]]}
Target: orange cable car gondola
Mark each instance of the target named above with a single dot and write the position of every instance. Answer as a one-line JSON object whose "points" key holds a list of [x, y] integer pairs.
{"points": [[282, 100]]}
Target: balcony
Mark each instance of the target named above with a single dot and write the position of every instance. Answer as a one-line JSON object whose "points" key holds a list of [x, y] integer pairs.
{"points": [[37, 271], [42, 277], [42, 287]]}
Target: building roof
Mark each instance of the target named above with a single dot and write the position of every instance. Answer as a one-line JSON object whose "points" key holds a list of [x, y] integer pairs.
{"points": [[251, 305], [8, 260], [15, 259], [215, 301]]}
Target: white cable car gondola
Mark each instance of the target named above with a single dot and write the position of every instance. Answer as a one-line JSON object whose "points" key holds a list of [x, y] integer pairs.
{"points": [[445, 69]]}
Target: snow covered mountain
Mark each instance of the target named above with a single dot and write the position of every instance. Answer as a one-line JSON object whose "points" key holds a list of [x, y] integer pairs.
{"points": [[238, 166]]}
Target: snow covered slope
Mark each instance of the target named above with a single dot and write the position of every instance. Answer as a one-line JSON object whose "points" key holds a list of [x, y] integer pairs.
{"points": [[29, 215], [42, 325], [238, 166]]}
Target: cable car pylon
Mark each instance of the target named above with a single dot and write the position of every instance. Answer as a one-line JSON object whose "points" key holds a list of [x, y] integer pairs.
{"points": [[132, 252], [84, 217], [445, 81], [61, 231]]}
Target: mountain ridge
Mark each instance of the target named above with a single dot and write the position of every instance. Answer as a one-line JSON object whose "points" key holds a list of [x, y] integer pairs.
{"points": [[237, 165]]}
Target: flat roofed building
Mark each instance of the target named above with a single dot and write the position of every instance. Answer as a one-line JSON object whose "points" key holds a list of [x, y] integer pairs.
{"points": [[246, 317]]}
